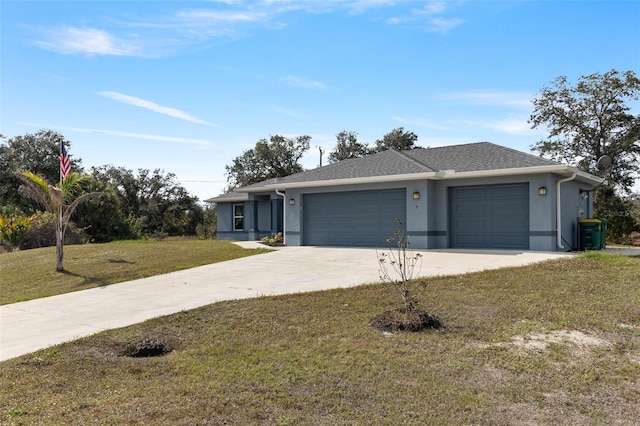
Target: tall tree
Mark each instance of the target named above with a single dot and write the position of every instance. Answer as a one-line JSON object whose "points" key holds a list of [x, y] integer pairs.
{"points": [[397, 139], [589, 120], [276, 157], [152, 200], [61, 200], [347, 146], [103, 219], [39, 153]]}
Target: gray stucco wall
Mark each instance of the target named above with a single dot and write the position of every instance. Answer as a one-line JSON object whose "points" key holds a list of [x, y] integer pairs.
{"points": [[224, 222], [427, 218], [261, 213]]}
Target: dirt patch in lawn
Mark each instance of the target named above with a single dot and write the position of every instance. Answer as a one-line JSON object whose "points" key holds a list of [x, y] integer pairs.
{"points": [[580, 343]]}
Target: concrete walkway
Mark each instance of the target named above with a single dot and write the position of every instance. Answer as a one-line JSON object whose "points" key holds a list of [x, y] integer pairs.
{"points": [[29, 326]]}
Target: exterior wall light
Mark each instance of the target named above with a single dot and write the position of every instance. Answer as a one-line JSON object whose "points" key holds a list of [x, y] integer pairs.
{"points": [[292, 201], [542, 190], [416, 195]]}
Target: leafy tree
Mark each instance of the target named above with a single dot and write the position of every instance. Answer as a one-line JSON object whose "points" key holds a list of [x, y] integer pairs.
{"points": [[60, 200], [152, 200], [102, 219], [276, 157], [38, 153], [347, 146], [589, 120], [397, 139], [619, 212]]}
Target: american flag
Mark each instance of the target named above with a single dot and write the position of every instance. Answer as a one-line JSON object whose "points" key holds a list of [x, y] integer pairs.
{"points": [[65, 164]]}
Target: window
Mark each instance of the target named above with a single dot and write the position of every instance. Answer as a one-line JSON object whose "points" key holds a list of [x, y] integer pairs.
{"points": [[238, 217]]}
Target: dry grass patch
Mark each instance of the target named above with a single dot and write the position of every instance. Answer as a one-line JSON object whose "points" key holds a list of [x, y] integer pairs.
{"points": [[313, 359]]}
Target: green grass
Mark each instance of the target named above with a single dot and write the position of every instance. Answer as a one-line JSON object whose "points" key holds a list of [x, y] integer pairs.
{"points": [[312, 359], [31, 274]]}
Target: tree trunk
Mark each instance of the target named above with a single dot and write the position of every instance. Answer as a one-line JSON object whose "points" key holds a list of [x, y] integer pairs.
{"points": [[59, 243]]}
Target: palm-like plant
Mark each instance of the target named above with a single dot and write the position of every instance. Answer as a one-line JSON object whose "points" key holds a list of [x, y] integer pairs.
{"points": [[60, 200]]}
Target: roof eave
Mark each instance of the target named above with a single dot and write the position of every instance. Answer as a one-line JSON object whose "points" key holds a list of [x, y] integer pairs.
{"points": [[561, 169], [351, 181]]}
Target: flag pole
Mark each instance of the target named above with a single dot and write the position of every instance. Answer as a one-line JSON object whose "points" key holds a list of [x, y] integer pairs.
{"points": [[60, 233]]}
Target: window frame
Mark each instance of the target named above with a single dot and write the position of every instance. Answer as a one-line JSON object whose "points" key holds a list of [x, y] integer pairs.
{"points": [[240, 216]]}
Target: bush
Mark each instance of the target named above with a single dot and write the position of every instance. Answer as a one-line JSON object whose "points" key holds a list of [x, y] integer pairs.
{"points": [[42, 233], [273, 240], [13, 230]]}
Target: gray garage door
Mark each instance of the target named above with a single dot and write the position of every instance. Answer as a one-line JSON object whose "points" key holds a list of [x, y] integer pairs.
{"points": [[352, 219], [492, 216]]}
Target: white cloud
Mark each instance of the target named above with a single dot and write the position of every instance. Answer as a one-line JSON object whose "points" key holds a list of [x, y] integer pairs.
{"points": [[419, 122], [512, 125], [89, 42], [152, 106], [433, 8], [167, 34], [289, 113], [517, 99], [443, 25], [145, 136], [211, 16], [303, 82]]}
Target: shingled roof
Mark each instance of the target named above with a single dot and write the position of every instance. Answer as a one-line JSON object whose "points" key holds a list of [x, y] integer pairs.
{"points": [[428, 163], [459, 158], [476, 157]]}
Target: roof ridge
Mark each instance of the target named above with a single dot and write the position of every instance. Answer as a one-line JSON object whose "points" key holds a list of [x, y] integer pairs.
{"points": [[525, 153], [414, 161]]}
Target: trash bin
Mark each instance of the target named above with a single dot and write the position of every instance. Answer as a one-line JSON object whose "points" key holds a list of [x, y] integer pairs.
{"points": [[603, 233], [590, 234]]}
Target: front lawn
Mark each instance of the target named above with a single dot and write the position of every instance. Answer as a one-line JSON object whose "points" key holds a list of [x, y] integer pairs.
{"points": [[552, 343], [31, 274]]}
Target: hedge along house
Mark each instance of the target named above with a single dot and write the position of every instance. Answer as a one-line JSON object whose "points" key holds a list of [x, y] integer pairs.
{"points": [[473, 196]]}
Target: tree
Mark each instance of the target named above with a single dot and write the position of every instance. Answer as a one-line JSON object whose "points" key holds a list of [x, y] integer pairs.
{"points": [[152, 201], [589, 120], [347, 146], [102, 219], [397, 139], [60, 200], [276, 157], [38, 153]]}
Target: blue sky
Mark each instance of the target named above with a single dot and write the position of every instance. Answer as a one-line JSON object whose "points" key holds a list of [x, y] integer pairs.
{"points": [[187, 86]]}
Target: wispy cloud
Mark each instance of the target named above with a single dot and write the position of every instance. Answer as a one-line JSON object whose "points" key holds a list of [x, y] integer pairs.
{"points": [[145, 136], [211, 16], [289, 113], [511, 125], [166, 34], [420, 123], [152, 106], [437, 23], [514, 99], [443, 25], [431, 16], [434, 8], [292, 80], [88, 42]]}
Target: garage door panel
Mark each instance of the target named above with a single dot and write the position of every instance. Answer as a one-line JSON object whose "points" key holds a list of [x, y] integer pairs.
{"points": [[471, 193], [508, 241], [469, 240], [490, 216], [354, 218]]}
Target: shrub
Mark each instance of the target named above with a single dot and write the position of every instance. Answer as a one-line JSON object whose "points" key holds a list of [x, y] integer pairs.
{"points": [[398, 265], [14, 229], [273, 240], [42, 233]]}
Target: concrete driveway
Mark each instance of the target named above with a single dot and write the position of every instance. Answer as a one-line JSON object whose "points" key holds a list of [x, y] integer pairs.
{"points": [[29, 326]]}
